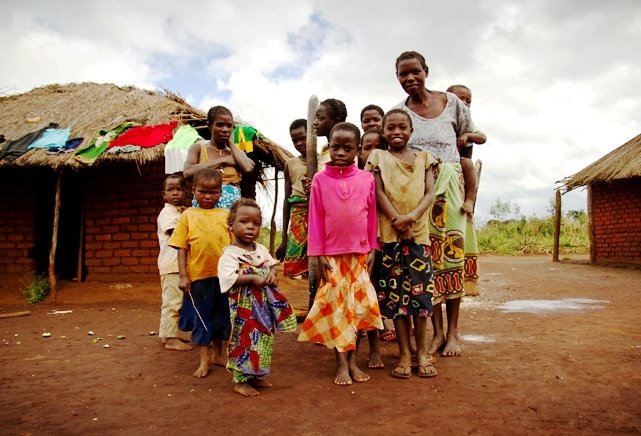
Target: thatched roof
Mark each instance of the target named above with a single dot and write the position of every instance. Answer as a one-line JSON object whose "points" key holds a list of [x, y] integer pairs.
{"points": [[86, 108], [621, 163]]}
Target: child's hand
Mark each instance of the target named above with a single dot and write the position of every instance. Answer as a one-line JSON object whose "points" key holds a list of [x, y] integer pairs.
{"points": [[462, 140], [324, 268], [272, 278], [184, 284], [402, 223], [407, 235], [370, 261]]}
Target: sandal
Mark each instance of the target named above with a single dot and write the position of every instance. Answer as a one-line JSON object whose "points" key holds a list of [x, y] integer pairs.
{"points": [[403, 372], [427, 371], [387, 336]]}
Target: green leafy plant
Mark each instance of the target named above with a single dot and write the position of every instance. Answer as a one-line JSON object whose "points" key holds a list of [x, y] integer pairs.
{"points": [[512, 233], [36, 287]]}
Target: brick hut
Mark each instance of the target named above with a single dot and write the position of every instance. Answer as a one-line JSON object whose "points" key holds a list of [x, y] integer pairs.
{"points": [[614, 204], [106, 212]]}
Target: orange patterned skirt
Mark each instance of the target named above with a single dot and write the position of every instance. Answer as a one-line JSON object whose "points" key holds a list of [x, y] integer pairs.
{"points": [[343, 305]]}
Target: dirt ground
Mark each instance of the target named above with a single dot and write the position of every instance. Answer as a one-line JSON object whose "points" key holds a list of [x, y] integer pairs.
{"points": [[556, 367]]}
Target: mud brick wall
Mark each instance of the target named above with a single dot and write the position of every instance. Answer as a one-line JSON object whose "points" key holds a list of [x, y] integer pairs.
{"points": [[617, 220], [17, 221], [122, 204]]}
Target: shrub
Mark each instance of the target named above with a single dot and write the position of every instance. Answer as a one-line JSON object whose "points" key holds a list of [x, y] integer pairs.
{"points": [[36, 287]]}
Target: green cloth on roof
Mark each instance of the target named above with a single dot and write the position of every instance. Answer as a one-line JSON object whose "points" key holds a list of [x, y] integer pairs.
{"points": [[184, 137], [89, 153], [244, 136]]}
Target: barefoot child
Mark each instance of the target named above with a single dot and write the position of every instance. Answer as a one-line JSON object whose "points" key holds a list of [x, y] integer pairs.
{"points": [[373, 140], [173, 193], [293, 248], [404, 182], [342, 235], [465, 143], [247, 271], [200, 236]]}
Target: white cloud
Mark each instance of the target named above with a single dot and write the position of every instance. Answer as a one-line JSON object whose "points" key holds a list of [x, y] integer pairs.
{"points": [[554, 83]]}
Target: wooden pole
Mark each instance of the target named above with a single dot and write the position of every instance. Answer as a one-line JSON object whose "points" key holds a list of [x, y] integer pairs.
{"points": [[272, 229], [81, 242], [557, 227], [14, 314], [478, 167], [312, 167], [54, 240], [591, 230]]}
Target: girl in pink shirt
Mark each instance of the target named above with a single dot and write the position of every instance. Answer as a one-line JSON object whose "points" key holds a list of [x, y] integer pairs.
{"points": [[342, 235]]}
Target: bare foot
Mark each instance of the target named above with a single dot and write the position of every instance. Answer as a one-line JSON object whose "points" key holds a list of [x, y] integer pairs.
{"points": [[218, 360], [452, 347], [201, 371], [246, 390], [375, 361], [468, 208], [260, 383], [358, 375], [435, 344], [176, 344], [342, 378]]}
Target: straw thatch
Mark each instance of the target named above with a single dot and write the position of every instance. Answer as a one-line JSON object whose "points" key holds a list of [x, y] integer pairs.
{"points": [[621, 163], [86, 108]]}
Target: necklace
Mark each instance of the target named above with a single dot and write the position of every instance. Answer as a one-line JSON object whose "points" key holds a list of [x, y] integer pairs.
{"points": [[219, 150]]}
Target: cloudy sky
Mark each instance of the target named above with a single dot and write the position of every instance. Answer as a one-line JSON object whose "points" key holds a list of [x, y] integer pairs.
{"points": [[556, 84]]}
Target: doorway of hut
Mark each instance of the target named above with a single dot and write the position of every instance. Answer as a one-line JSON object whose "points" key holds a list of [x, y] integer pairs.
{"points": [[69, 264]]}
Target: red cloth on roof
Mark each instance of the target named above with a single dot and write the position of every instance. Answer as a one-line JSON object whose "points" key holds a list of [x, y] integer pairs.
{"points": [[146, 136]]}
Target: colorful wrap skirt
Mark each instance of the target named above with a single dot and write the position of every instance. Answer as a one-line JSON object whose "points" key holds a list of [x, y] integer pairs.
{"points": [[256, 313], [343, 305], [404, 279], [296, 262], [228, 194], [452, 236]]}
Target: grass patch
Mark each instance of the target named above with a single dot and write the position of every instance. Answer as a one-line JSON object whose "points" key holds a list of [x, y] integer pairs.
{"points": [[36, 287], [532, 236]]}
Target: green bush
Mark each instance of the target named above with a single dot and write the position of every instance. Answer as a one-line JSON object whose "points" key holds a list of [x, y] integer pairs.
{"points": [[533, 236], [36, 287]]}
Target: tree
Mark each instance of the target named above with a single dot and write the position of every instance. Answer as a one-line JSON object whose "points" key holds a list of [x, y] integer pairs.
{"points": [[504, 210]]}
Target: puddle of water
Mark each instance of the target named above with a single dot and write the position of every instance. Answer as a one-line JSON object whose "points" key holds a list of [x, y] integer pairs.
{"points": [[542, 306], [477, 338]]}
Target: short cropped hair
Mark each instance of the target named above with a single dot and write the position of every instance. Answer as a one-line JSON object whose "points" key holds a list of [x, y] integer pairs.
{"points": [[412, 55], [208, 174], [298, 123], [349, 127], [233, 210], [177, 176], [372, 107]]}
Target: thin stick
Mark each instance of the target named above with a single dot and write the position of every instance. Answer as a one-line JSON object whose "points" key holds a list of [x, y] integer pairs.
{"points": [[197, 313], [272, 228], [14, 314]]}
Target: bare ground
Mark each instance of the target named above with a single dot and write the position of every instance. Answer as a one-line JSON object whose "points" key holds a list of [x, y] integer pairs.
{"points": [[539, 372]]}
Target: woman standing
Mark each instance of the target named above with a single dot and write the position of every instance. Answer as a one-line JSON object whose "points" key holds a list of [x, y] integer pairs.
{"points": [[439, 119], [219, 153]]}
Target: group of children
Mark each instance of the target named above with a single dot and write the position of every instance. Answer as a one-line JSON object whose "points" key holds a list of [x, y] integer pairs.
{"points": [[364, 224]]}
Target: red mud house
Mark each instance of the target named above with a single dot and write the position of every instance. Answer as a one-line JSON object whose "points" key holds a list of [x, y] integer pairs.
{"points": [[106, 205], [614, 204]]}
